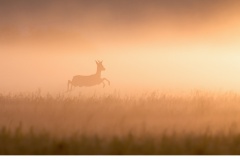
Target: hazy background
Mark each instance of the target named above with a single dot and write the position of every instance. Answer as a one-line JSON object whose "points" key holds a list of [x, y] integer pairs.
{"points": [[166, 45]]}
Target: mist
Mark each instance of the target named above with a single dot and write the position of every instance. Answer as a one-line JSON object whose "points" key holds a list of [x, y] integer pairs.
{"points": [[162, 70], [169, 46], [119, 77]]}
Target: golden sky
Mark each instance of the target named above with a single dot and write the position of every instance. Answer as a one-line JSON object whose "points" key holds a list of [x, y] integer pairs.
{"points": [[158, 44], [93, 24]]}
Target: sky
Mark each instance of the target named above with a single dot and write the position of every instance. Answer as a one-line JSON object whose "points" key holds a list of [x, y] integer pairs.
{"points": [[161, 45]]}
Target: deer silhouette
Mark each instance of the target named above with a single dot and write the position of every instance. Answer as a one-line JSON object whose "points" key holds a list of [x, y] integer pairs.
{"points": [[88, 81]]}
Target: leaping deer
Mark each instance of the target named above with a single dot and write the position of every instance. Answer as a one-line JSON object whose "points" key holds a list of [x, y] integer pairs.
{"points": [[90, 80]]}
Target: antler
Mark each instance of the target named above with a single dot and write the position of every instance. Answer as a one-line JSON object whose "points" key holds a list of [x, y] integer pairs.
{"points": [[98, 61]]}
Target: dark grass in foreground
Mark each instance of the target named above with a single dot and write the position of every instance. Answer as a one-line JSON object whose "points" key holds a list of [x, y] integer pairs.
{"points": [[110, 125], [18, 143]]}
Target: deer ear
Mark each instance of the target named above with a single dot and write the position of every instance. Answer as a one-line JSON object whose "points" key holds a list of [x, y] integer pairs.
{"points": [[101, 61], [96, 62]]}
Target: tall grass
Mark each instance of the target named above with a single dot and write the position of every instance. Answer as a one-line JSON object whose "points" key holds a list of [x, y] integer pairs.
{"points": [[31, 143], [200, 123]]}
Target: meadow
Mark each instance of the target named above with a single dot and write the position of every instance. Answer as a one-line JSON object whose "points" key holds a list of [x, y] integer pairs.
{"points": [[152, 123]]}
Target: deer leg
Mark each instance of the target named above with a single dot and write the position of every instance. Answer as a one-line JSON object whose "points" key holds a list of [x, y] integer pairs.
{"points": [[103, 83], [106, 80], [69, 83], [71, 86]]}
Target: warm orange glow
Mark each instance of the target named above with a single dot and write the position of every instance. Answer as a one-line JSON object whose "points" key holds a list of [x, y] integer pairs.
{"points": [[156, 48], [104, 76]]}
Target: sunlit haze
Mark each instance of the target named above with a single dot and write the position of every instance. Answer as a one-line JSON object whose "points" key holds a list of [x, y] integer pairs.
{"points": [[119, 77], [170, 46]]}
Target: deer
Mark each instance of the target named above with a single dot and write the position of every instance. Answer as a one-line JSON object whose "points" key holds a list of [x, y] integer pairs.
{"points": [[88, 81]]}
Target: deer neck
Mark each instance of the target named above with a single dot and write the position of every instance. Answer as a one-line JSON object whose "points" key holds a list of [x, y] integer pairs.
{"points": [[98, 73]]}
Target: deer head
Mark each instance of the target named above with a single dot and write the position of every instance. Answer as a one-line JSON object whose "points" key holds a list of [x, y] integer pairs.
{"points": [[100, 65]]}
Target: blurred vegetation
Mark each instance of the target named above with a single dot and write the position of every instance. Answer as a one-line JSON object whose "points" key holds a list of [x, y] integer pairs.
{"points": [[18, 143], [160, 124]]}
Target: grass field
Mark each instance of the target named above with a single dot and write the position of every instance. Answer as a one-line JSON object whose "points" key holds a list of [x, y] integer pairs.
{"points": [[199, 123]]}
